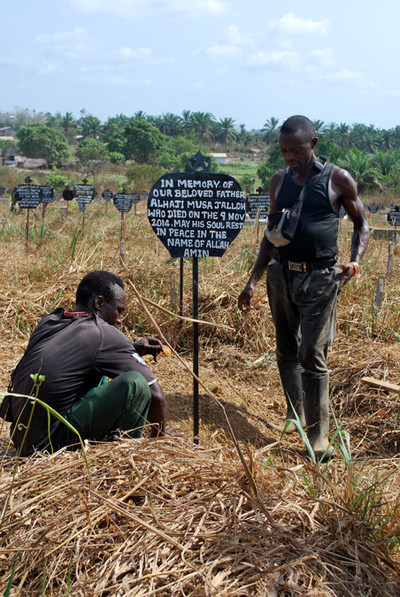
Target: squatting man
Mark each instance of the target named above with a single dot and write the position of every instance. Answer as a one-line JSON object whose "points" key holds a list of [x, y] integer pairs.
{"points": [[75, 352], [304, 277]]}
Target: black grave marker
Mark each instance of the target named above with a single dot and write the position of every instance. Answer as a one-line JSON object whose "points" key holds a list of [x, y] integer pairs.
{"points": [[27, 196], [84, 194], [124, 201], [257, 204], [196, 214], [107, 195], [393, 217]]}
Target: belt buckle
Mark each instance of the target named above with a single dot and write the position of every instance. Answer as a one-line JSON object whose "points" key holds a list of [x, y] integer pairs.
{"points": [[297, 267]]}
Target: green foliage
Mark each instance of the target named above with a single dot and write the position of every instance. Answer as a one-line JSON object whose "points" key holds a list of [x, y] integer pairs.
{"points": [[361, 166], [37, 140], [170, 156], [5, 146], [91, 150], [116, 157], [225, 131], [328, 148], [143, 140], [91, 127], [57, 181], [247, 183], [143, 176], [264, 172], [117, 142]]}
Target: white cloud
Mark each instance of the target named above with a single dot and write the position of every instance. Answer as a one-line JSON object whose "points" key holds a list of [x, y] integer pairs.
{"points": [[234, 36], [293, 25], [138, 53], [76, 43], [324, 57], [285, 58], [77, 34], [136, 9], [223, 51]]}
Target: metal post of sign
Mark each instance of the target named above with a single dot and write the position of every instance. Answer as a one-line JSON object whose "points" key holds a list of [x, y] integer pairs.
{"points": [[195, 300], [173, 295], [181, 286], [390, 258], [27, 226], [83, 216], [122, 242]]}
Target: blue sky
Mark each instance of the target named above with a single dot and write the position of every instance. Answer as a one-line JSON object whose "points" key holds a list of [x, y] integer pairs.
{"points": [[250, 60]]}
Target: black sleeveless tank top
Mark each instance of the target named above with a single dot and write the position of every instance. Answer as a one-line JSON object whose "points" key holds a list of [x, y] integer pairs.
{"points": [[317, 229]]}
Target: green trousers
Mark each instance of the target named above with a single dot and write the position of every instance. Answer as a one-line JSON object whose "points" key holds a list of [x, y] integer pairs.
{"points": [[120, 404]]}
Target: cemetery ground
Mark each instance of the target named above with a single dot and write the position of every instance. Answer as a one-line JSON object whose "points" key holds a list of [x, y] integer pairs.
{"points": [[248, 514]]}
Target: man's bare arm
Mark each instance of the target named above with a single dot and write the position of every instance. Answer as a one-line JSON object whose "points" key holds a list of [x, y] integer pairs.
{"points": [[345, 187]]}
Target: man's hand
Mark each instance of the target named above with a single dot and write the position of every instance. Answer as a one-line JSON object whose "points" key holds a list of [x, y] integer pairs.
{"points": [[245, 299], [148, 345], [347, 274]]}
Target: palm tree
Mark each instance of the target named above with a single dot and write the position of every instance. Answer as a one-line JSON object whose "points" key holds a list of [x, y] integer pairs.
{"points": [[225, 131], [203, 124], [140, 115], [91, 127], [319, 126], [67, 121], [343, 135], [361, 165], [169, 124], [270, 130], [187, 120]]}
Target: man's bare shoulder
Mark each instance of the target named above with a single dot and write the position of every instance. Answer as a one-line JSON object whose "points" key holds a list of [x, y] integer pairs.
{"points": [[342, 179], [275, 184], [277, 177], [341, 175]]}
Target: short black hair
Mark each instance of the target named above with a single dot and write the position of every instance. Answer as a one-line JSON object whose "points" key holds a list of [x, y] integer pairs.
{"points": [[98, 282], [296, 124]]}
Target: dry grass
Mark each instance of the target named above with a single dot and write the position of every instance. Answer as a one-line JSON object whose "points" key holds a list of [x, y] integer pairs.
{"points": [[166, 517]]}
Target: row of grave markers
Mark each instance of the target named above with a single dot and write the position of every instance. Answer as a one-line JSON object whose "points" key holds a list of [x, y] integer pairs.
{"points": [[28, 196]]}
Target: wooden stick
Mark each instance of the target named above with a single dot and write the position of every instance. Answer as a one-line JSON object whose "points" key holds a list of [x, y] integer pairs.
{"points": [[383, 385]]}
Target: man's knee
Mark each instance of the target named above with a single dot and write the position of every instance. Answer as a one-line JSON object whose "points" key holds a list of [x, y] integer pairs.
{"points": [[136, 385]]}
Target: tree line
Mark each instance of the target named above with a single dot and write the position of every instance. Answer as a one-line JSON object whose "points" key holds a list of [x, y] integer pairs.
{"points": [[370, 154]]}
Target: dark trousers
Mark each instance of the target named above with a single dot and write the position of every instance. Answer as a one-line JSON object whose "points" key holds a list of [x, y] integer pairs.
{"points": [[121, 404], [303, 307]]}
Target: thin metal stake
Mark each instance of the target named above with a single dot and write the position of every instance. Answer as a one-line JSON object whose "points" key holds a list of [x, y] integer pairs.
{"points": [[122, 242], [27, 226], [195, 350]]}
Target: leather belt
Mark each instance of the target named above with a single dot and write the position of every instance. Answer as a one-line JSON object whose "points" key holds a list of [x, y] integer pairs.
{"points": [[306, 266]]}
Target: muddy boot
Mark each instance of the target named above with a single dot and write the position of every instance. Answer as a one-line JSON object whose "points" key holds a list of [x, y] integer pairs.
{"points": [[291, 377], [316, 407]]}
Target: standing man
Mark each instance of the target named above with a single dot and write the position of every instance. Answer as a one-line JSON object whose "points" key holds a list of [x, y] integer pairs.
{"points": [[70, 353], [304, 277]]}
